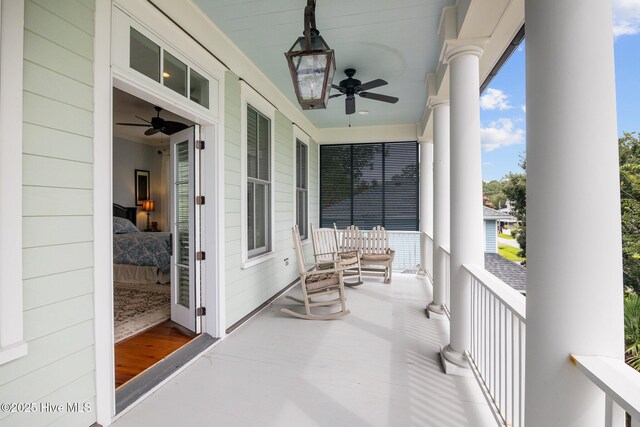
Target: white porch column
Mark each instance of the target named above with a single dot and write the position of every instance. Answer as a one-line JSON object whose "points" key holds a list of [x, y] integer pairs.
{"points": [[574, 267], [426, 200], [466, 194], [441, 199]]}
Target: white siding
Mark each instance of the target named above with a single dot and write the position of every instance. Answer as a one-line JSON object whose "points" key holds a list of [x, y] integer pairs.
{"points": [[57, 208], [490, 236], [247, 288]]}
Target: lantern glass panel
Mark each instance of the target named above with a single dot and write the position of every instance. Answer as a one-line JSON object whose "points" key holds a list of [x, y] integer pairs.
{"points": [[311, 75]]}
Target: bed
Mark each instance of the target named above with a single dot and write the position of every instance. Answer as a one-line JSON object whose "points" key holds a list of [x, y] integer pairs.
{"points": [[139, 257]]}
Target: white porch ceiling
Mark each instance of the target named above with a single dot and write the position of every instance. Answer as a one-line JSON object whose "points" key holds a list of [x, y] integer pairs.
{"points": [[393, 40]]}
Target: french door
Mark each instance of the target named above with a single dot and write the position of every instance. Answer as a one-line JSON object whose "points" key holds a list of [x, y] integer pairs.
{"points": [[185, 228]]}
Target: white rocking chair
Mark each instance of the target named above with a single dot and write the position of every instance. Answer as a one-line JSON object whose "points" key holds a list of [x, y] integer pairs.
{"points": [[327, 252], [315, 284]]}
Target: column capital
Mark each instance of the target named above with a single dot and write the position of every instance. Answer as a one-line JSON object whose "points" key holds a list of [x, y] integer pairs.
{"points": [[455, 48], [437, 101]]}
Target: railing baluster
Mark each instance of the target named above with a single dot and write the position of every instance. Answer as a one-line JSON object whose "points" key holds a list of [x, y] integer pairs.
{"points": [[521, 373], [497, 347]]}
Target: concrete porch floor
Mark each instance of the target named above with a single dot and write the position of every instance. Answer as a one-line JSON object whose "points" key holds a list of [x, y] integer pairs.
{"points": [[378, 366]]}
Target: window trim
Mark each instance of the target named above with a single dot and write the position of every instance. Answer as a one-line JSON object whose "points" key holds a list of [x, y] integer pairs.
{"points": [[249, 97], [299, 135], [12, 344]]}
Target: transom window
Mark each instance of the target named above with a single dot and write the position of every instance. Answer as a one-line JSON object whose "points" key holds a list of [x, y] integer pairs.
{"points": [[302, 189], [258, 183], [151, 60]]}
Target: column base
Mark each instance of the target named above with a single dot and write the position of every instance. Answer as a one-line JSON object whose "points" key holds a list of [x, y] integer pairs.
{"points": [[435, 311], [454, 363], [422, 274]]}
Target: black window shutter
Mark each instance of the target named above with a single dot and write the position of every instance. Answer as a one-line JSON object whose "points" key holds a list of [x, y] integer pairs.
{"points": [[369, 185]]}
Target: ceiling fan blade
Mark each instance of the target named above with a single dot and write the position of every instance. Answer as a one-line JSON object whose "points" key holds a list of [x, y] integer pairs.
{"points": [[171, 127], [340, 88], [372, 84], [150, 132], [133, 124], [144, 120], [350, 105], [378, 97], [336, 95]]}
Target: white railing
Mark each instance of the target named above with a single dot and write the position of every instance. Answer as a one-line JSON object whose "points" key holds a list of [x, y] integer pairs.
{"points": [[427, 256], [446, 253], [620, 384], [497, 352], [406, 244]]}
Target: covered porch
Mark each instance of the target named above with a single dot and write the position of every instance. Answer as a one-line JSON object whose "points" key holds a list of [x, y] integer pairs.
{"points": [[378, 366], [554, 360]]}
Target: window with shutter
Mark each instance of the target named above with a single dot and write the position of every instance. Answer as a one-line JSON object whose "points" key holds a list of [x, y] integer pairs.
{"points": [[370, 184]]}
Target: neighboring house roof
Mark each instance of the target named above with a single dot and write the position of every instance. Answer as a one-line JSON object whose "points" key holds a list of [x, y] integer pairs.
{"points": [[509, 272], [489, 213]]}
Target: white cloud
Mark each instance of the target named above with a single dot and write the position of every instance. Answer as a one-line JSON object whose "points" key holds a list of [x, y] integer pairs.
{"points": [[626, 17], [494, 99], [501, 133], [524, 109]]}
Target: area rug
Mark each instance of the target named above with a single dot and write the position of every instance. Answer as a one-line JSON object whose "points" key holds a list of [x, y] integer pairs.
{"points": [[138, 306]]}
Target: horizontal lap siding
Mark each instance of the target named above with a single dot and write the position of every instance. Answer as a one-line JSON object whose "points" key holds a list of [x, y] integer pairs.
{"points": [[57, 207], [490, 236], [247, 288]]}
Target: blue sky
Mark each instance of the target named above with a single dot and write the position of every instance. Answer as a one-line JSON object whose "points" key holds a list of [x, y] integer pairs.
{"points": [[502, 105]]}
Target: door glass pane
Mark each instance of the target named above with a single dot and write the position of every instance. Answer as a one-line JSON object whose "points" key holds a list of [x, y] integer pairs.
{"points": [[252, 143], [261, 215], [183, 286], [182, 214], [250, 216], [182, 162], [263, 148], [199, 89], [183, 245], [144, 55], [174, 74]]}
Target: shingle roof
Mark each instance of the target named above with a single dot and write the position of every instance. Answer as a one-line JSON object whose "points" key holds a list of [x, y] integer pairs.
{"points": [[509, 272], [489, 213]]}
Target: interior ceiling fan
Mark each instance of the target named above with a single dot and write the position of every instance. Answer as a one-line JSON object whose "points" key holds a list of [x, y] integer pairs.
{"points": [[158, 124], [352, 87]]}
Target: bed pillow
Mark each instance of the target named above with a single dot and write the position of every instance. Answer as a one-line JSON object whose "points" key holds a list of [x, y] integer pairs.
{"points": [[123, 226]]}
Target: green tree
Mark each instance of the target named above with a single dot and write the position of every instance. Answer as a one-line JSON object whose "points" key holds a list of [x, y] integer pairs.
{"points": [[515, 188], [632, 329], [494, 191], [629, 150]]}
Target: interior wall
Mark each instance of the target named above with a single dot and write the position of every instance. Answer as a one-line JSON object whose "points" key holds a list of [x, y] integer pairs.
{"points": [[127, 157]]}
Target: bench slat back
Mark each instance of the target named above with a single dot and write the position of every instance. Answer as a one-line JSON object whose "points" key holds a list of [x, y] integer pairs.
{"points": [[377, 241], [351, 238]]}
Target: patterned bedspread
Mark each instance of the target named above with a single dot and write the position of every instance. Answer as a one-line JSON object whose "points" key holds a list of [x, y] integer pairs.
{"points": [[145, 249]]}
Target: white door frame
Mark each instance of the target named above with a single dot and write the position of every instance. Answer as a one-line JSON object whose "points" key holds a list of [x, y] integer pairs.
{"points": [[212, 131]]}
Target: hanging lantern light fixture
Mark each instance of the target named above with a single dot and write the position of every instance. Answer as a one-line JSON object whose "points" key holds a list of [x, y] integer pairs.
{"points": [[311, 63]]}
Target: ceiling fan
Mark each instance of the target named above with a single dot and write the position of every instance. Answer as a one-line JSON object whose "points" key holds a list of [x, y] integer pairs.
{"points": [[352, 87], [158, 124]]}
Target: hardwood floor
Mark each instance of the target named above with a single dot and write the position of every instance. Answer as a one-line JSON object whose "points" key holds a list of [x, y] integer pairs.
{"points": [[135, 354]]}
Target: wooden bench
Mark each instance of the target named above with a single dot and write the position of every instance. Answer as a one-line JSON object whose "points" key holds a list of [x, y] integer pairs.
{"points": [[373, 249]]}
